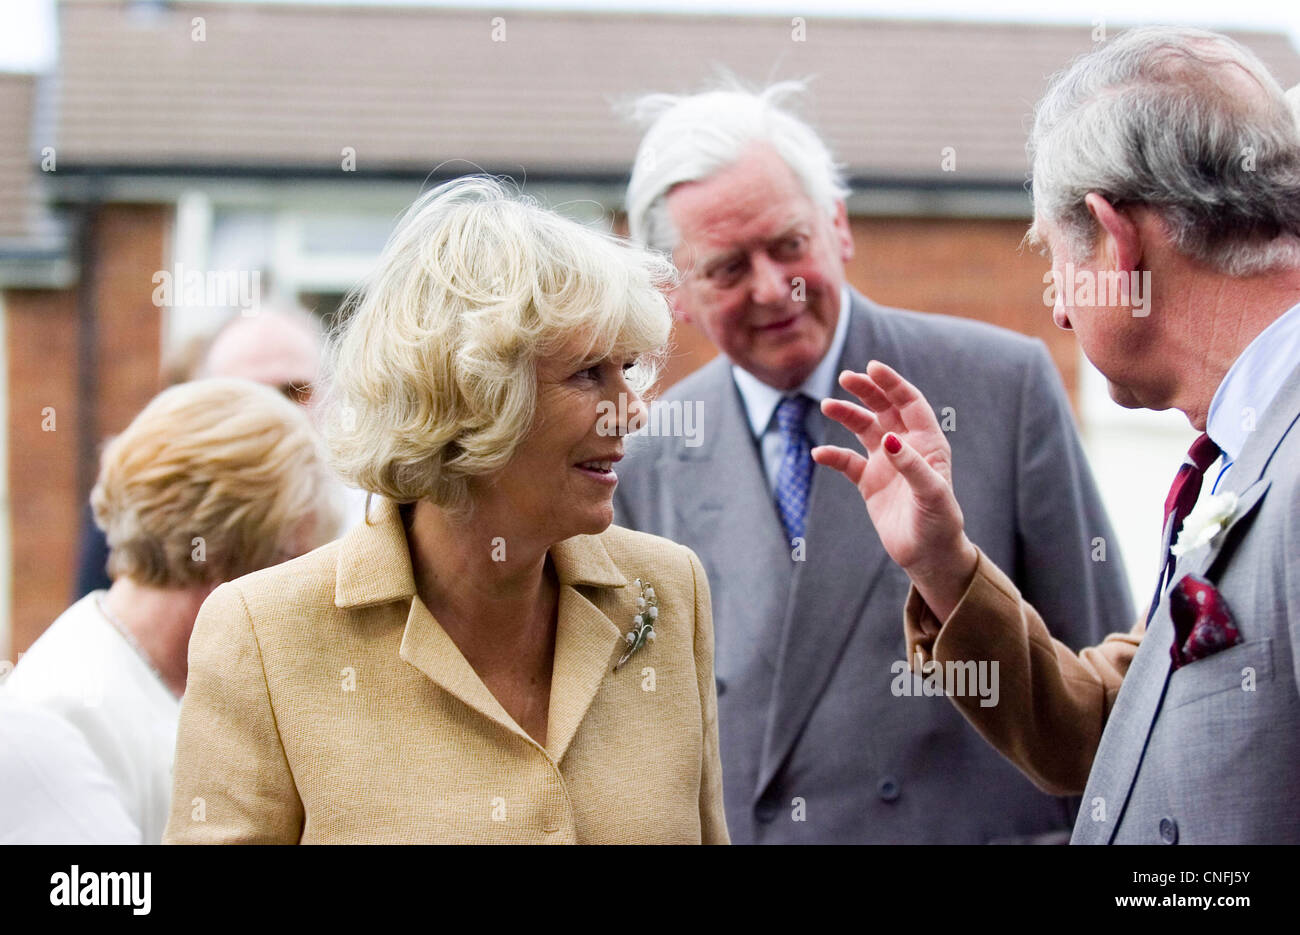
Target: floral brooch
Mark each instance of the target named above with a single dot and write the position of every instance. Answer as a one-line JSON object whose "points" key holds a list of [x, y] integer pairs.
{"points": [[1205, 522], [643, 624]]}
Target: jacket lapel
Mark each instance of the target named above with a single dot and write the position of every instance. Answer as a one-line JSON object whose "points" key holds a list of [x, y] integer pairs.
{"points": [[1128, 730], [1123, 746], [427, 646], [1199, 561], [587, 642], [726, 512], [374, 567], [831, 588]]}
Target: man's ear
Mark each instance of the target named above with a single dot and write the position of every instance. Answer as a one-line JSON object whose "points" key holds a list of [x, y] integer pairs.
{"points": [[843, 231], [1121, 241], [677, 302]]}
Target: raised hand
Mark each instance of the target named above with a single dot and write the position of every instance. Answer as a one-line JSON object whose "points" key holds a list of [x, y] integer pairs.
{"points": [[905, 481]]}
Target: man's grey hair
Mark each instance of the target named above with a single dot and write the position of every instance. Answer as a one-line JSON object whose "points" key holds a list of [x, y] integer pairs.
{"points": [[1293, 100], [690, 137], [1186, 122]]}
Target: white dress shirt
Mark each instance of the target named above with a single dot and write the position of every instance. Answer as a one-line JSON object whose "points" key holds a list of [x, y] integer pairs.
{"points": [[1250, 384], [84, 670], [762, 400]]}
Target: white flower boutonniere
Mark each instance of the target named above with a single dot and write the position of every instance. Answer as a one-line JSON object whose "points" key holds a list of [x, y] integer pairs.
{"points": [[643, 624], [1206, 521]]}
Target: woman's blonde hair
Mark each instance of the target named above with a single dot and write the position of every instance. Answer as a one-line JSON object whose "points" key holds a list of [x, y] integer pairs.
{"points": [[433, 379], [212, 480]]}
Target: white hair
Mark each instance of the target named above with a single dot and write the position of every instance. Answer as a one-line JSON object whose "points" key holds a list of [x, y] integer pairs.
{"points": [[1186, 122], [690, 137], [435, 372], [1293, 100]]}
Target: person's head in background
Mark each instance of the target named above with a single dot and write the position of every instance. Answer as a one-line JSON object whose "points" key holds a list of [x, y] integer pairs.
{"points": [[750, 204], [214, 479], [1170, 154], [279, 347]]}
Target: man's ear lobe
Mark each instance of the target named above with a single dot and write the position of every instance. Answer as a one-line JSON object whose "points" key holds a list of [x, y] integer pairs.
{"points": [[1120, 237], [844, 231], [677, 303]]}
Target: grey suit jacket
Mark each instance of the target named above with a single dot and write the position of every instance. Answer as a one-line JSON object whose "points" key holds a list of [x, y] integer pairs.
{"points": [[816, 745], [1210, 753]]}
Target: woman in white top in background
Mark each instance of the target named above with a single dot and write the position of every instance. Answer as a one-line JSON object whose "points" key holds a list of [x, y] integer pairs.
{"points": [[213, 480]]}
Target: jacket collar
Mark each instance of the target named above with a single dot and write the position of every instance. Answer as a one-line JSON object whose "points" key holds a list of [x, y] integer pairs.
{"points": [[374, 561], [374, 567]]}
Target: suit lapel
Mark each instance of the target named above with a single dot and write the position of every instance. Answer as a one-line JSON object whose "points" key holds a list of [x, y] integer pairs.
{"points": [[831, 588], [1128, 730], [726, 512], [1199, 561]]}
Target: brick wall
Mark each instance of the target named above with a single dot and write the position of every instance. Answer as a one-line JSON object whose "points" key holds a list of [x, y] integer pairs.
{"points": [[41, 346], [968, 268], [127, 245]]}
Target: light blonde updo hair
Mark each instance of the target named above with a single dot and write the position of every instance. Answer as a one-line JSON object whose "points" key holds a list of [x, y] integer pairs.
{"points": [[226, 461], [433, 379]]}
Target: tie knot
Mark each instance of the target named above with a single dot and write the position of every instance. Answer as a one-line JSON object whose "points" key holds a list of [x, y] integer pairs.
{"points": [[1203, 452], [790, 414]]}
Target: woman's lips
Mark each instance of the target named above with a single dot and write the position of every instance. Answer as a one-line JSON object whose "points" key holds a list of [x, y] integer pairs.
{"points": [[600, 475]]}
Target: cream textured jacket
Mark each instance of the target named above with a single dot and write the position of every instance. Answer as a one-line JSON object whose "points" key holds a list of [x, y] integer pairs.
{"points": [[326, 704]]}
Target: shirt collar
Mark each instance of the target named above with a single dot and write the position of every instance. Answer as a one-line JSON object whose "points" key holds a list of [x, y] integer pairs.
{"points": [[1252, 382], [761, 400]]}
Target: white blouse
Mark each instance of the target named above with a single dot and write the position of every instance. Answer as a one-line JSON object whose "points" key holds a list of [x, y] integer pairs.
{"points": [[83, 669]]}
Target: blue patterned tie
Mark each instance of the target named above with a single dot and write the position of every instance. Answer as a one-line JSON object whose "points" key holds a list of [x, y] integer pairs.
{"points": [[795, 474]]}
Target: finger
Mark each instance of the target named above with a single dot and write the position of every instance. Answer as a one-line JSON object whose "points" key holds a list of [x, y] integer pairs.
{"points": [[849, 463], [857, 420], [914, 411], [874, 398], [928, 485], [865, 389]]}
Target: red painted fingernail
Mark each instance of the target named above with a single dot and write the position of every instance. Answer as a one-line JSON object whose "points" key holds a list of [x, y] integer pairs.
{"points": [[892, 444]]}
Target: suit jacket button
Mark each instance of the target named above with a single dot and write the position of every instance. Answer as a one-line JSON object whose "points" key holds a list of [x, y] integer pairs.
{"points": [[888, 789], [722, 688], [1168, 831], [766, 809]]}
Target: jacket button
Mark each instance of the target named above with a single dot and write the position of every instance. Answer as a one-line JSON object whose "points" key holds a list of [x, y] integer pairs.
{"points": [[766, 809], [722, 688], [888, 789], [1168, 831]]}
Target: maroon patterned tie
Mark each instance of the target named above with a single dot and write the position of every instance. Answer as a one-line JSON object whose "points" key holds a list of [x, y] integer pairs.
{"points": [[1202, 622], [1187, 485], [1182, 497]]}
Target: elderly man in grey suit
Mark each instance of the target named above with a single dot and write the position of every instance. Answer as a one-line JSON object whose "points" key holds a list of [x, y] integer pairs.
{"points": [[1168, 154], [824, 738]]}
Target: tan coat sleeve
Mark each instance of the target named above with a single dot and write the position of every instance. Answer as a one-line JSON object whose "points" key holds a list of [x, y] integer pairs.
{"points": [[232, 783], [713, 819], [1052, 704]]}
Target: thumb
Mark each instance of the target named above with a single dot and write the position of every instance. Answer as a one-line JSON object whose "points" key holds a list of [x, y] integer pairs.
{"points": [[927, 484]]}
